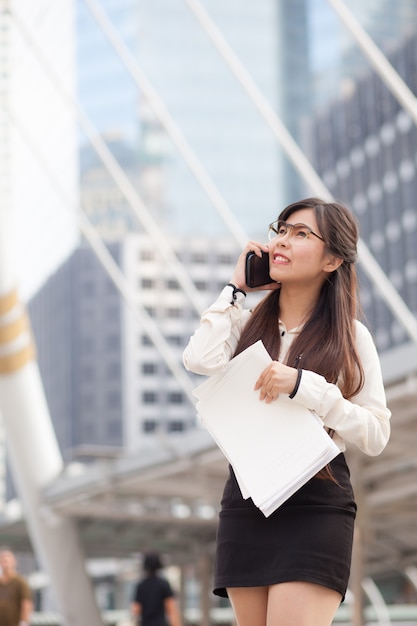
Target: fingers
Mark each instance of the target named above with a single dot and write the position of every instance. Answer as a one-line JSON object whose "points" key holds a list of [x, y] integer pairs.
{"points": [[275, 379], [238, 277], [268, 387], [256, 247], [262, 378], [268, 397]]}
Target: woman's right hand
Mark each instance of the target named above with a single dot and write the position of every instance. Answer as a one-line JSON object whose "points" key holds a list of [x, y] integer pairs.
{"points": [[238, 278]]}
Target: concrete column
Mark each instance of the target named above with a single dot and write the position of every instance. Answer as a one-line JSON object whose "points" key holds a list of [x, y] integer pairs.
{"points": [[34, 454], [205, 575]]}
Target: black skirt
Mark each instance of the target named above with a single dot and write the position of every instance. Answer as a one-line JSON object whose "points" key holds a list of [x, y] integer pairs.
{"points": [[309, 538]]}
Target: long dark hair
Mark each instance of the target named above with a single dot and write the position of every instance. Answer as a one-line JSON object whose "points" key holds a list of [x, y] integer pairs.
{"points": [[326, 343]]}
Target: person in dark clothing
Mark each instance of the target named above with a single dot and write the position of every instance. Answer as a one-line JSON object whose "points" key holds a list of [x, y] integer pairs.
{"points": [[154, 603]]}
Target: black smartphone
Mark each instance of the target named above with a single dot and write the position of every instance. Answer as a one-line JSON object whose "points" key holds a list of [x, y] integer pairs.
{"points": [[257, 270]]}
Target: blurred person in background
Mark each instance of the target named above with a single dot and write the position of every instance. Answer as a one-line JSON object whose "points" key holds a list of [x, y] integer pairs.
{"points": [[154, 602], [15, 595]]}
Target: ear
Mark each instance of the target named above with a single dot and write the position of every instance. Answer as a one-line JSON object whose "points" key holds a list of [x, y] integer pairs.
{"points": [[332, 263]]}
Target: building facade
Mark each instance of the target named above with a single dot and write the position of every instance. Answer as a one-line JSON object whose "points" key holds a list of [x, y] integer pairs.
{"points": [[203, 99], [365, 148], [107, 386]]}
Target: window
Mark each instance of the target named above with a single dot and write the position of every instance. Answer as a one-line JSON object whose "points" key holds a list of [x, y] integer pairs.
{"points": [[225, 258], [175, 397], [149, 426], [149, 397], [146, 255], [145, 340], [175, 340], [174, 312], [148, 368], [176, 426], [199, 258], [173, 284], [147, 283]]}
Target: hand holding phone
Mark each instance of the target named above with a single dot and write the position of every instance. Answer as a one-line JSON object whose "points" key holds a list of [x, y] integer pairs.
{"points": [[257, 270]]}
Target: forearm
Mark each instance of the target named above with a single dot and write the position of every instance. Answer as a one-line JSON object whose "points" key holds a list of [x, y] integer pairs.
{"points": [[173, 613], [366, 425], [214, 342], [25, 612], [135, 609]]}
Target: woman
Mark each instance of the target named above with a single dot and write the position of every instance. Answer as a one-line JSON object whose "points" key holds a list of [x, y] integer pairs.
{"points": [[293, 567]]}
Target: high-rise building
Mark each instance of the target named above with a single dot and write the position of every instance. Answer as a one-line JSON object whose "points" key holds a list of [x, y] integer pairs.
{"points": [[365, 148], [222, 127], [297, 51], [107, 386], [319, 60]]}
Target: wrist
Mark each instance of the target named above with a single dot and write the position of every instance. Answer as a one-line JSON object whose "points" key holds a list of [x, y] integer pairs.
{"points": [[236, 283], [297, 383], [236, 290]]}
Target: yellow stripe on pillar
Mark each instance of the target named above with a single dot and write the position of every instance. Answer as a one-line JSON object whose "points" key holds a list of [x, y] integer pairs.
{"points": [[11, 330], [14, 361], [8, 301], [17, 347]]}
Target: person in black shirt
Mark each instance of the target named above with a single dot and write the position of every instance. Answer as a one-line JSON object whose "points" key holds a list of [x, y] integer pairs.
{"points": [[154, 603]]}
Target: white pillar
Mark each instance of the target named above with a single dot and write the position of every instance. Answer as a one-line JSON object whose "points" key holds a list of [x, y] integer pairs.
{"points": [[34, 453], [205, 572], [36, 461]]}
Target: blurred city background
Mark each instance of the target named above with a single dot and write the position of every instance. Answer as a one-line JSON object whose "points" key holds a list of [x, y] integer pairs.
{"points": [[142, 142]]}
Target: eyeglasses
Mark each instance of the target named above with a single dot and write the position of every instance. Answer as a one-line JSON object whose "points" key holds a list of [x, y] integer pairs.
{"points": [[297, 232]]}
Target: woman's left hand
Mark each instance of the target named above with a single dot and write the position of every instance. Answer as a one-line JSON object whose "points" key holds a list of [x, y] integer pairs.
{"points": [[275, 379]]}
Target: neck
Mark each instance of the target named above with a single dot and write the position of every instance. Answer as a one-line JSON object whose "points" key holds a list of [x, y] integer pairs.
{"points": [[296, 305]]}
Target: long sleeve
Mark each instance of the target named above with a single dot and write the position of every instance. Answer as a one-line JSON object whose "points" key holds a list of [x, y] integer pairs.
{"points": [[363, 420], [214, 342]]}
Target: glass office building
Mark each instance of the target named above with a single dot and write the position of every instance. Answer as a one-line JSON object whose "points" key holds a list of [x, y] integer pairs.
{"points": [[365, 148], [300, 57], [203, 98]]}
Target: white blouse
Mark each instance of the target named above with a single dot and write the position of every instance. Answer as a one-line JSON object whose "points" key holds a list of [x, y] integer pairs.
{"points": [[363, 420]]}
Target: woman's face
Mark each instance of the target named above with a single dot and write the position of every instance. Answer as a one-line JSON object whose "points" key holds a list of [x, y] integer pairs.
{"points": [[299, 257]]}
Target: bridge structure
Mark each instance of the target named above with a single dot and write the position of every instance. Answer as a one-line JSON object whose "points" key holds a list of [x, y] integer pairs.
{"points": [[167, 494]]}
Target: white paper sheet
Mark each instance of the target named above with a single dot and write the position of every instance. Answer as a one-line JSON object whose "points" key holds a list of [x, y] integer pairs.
{"points": [[273, 448]]}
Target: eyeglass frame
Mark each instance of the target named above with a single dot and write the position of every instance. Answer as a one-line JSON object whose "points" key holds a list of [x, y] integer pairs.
{"points": [[290, 227]]}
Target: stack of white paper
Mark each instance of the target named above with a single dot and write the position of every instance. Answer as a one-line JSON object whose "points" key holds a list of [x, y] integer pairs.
{"points": [[273, 448]]}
